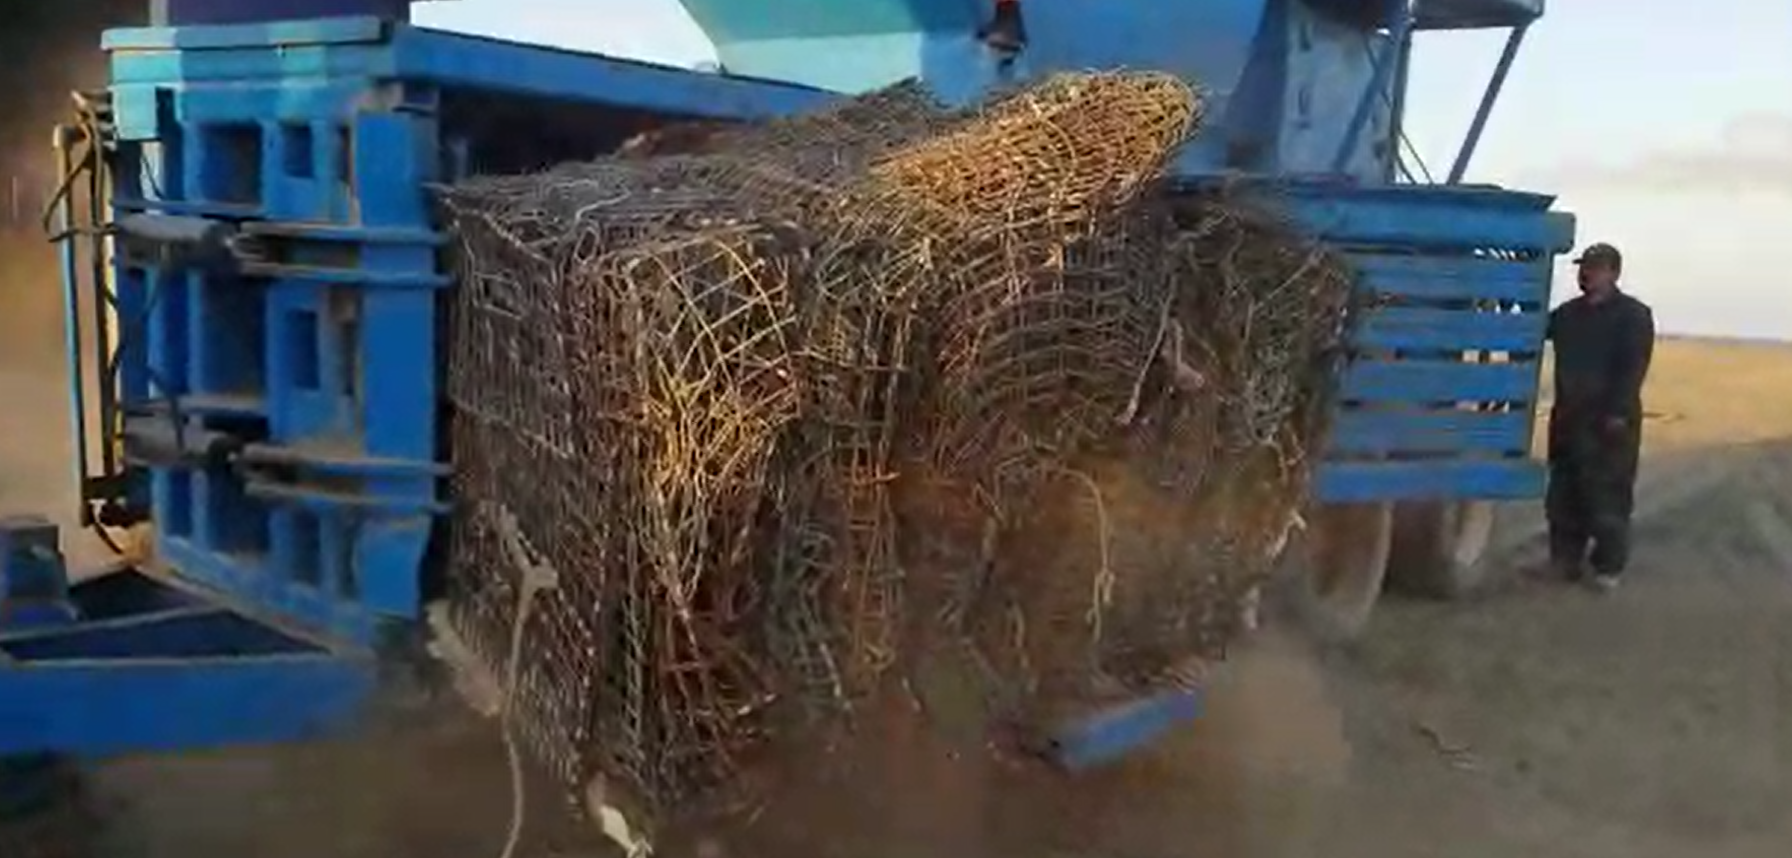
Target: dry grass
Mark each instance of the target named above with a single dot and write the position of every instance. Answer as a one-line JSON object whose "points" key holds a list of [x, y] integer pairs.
{"points": [[1704, 393]]}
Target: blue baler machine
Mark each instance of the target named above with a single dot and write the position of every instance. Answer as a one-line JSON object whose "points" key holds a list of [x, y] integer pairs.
{"points": [[268, 368]]}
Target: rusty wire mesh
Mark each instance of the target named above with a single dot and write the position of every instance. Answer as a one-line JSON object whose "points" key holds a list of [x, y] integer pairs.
{"points": [[789, 405]]}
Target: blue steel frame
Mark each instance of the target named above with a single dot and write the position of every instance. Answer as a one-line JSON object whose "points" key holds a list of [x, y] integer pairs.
{"points": [[123, 662], [314, 142], [309, 359], [1440, 390], [317, 139]]}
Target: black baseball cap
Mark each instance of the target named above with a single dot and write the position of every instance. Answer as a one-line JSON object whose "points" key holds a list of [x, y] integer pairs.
{"points": [[1600, 254]]}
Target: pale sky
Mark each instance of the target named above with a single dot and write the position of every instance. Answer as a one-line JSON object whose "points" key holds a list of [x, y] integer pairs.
{"points": [[1667, 133]]}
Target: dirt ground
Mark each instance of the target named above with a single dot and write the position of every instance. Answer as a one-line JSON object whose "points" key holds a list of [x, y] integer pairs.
{"points": [[1534, 720]]}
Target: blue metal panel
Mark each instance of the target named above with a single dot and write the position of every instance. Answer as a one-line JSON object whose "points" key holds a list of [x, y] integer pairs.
{"points": [[295, 592], [1388, 433], [128, 706], [1375, 97], [1115, 732], [1445, 273], [34, 589], [361, 51], [126, 663], [275, 34], [1492, 479], [188, 12], [1427, 329], [300, 340], [1476, 14], [1424, 218], [1454, 278], [453, 60], [727, 22], [879, 42], [1293, 87], [190, 632], [1435, 381], [316, 139]]}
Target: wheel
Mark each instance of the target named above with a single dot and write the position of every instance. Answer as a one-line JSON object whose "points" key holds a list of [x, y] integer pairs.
{"points": [[1340, 563], [1439, 548], [42, 812], [29, 785]]}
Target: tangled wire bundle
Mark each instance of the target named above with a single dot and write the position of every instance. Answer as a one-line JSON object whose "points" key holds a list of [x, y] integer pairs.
{"points": [[791, 406]]}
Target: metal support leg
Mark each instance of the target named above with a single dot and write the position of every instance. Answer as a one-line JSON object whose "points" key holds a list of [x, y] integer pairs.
{"points": [[62, 222], [1488, 98], [1397, 113], [33, 594]]}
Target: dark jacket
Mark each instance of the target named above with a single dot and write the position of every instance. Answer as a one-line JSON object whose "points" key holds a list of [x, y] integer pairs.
{"points": [[1602, 354]]}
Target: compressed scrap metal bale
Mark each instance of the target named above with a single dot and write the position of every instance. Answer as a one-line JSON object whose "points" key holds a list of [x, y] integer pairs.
{"points": [[799, 407]]}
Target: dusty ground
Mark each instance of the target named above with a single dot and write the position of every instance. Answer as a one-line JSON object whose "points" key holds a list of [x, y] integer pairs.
{"points": [[1537, 720]]}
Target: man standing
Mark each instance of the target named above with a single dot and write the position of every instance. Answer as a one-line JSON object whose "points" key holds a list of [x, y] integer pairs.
{"points": [[1603, 340]]}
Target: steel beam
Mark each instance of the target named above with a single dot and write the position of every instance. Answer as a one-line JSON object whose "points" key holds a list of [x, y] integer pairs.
{"points": [[163, 13], [1491, 95]]}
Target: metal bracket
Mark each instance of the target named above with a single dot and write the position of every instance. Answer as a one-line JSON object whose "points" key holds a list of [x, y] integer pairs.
{"points": [[321, 475], [33, 578]]}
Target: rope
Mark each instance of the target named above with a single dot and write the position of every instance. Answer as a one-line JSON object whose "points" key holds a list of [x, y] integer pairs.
{"points": [[533, 578]]}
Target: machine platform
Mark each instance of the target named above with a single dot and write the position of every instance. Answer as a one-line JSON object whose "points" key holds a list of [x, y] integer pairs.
{"points": [[124, 662]]}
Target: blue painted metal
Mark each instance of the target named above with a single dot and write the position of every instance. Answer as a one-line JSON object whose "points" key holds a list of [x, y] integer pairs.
{"points": [[122, 663], [164, 13], [1119, 730], [296, 69], [1450, 276], [119, 706], [1397, 139], [1423, 329], [1381, 434], [1371, 380], [34, 589], [1476, 14], [1453, 279], [1463, 222], [1281, 79], [132, 664], [315, 139], [1490, 479]]}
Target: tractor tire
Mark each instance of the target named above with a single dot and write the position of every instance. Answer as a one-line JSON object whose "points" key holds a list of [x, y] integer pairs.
{"points": [[32, 784], [1341, 562], [1440, 548], [42, 811]]}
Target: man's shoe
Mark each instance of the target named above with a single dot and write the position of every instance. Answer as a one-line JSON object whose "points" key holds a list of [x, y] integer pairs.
{"points": [[1605, 583]]}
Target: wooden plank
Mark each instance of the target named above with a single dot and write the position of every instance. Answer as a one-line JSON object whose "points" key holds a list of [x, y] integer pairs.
{"points": [[1450, 330], [1393, 433], [1434, 381], [1453, 479], [1453, 278]]}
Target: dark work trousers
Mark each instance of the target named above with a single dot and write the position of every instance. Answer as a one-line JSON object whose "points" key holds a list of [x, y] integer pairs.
{"points": [[1592, 478]]}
